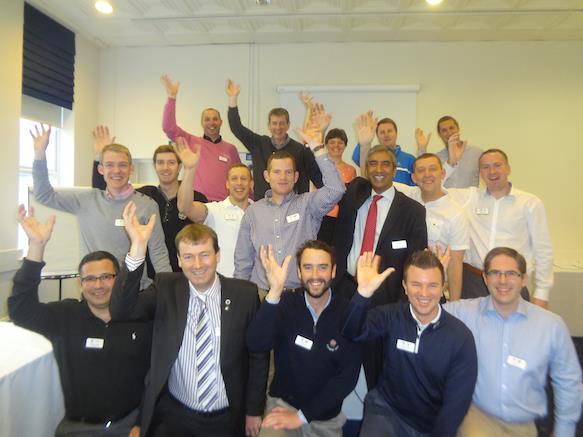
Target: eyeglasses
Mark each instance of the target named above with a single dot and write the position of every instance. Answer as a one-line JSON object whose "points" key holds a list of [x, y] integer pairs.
{"points": [[510, 274], [91, 280]]}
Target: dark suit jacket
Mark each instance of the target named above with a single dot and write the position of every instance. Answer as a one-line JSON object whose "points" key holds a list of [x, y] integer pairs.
{"points": [[166, 302], [405, 221]]}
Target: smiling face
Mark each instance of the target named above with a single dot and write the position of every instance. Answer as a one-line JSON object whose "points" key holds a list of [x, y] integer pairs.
{"points": [[446, 129], [387, 135], [167, 167], [281, 176], [505, 282], [278, 127], [198, 262], [494, 171], [239, 183], [380, 170], [97, 279], [211, 123], [316, 272], [428, 174], [116, 170], [335, 148], [424, 289]]}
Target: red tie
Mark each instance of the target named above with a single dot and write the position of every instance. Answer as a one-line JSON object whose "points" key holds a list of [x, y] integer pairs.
{"points": [[370, 226]]}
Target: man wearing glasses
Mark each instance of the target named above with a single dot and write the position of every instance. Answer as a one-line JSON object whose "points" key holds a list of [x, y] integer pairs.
{"points": [[518, 345], [102, 364]]}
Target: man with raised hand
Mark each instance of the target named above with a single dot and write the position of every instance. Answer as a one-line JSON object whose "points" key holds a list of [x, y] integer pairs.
{"points": [[167, 166], [447, 225], [203, 379], [216, 154], [502, 215], [315, 367], [224, 216], [429, 365], [519, 345], [262, 147], [99, 212], [458, 158], [284, 218], [386, 133], [102, 362]]}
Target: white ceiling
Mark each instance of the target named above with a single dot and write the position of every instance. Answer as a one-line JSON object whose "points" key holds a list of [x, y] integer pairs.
{"points": [[187, 22]]}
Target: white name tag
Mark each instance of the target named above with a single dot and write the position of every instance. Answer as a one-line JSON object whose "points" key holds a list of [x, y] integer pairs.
{"points": [[94, 343], [119, 222], [223, 158], [405, 345], [231, 216], [516, 362], [399, 244], [304, 342], [293, 218], [482, 211]]}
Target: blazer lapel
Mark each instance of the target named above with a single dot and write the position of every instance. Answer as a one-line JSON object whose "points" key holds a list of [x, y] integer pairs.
{"points": [[390, 220], [182, 301], [227, 303]]}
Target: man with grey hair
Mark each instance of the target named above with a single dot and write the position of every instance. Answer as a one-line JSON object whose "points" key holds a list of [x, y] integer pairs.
{"points": [[374, 217]]}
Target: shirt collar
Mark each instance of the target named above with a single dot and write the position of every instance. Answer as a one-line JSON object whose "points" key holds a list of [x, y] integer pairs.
{"points": [[228, 204], [217, 141], [510, 193], [420, 325], [521, 309], [211, 292], [312, 310], [125, 193], [287, 197], [282, 145], [388, 194]]}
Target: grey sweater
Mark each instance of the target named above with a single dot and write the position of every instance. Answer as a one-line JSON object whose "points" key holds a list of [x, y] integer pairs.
{"points": [[97, 215]]}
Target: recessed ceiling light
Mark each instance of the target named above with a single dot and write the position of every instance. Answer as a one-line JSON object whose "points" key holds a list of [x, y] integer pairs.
{"points": [[434, 2], [103, 6]]}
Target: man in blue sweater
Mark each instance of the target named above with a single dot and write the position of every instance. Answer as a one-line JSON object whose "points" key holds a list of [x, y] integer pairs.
{"points": [[430, 364], [315, 367]]}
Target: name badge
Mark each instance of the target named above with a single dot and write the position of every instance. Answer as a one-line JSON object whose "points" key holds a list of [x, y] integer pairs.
{"points": [[119, 222], [482, 211], [399, 244], [405, 345], [293, 218], [94, 343], [231, 216], [516, 362], [304, 342], [223, 158]]}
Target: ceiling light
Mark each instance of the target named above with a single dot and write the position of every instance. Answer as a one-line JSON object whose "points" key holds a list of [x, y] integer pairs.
{"points": [[434, 2], [103, 6]]}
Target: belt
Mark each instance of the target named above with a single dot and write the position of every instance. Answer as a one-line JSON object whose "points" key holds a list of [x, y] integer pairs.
{"points": [[210, 413], [470, 268]]}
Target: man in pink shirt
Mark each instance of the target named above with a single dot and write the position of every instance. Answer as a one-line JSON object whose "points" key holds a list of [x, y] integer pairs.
{"points": [[216, 155]]}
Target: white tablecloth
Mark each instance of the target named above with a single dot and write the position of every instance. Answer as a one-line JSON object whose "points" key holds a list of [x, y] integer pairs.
{"points": [[31, 399]]}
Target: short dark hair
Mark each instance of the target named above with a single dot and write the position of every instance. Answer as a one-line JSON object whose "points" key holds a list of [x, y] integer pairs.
{"points": [[278, 112], [381, 148], [98, 255], [425, 260], [316, 245], [239, 165], [447, 118], [196, 233], [501, 152], [336, 133], [509, 252], [281, 154], [165, 148], [386, 120], [426, 156]]}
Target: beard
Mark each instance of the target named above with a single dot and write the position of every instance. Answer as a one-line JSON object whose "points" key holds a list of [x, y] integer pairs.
{"points": [[319, 291]]}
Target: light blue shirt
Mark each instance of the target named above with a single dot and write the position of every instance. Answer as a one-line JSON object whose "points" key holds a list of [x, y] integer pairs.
{"points": [[514, 357]]}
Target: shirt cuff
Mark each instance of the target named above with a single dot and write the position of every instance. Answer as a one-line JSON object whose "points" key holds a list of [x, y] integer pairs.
{"points": [[302, 417], [272, 301], [133, 263], [542, 293], [564, 429]]}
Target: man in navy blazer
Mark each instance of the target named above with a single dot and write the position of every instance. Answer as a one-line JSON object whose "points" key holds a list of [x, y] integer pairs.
{"points": [[173, 402], [400, 231]]}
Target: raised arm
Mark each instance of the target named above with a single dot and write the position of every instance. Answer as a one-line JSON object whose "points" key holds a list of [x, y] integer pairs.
{"points": [[169, 126], [365, 126], [422, 141], [101, 138], [194, 210], [308, 103], [538, 230], [247, 137]]}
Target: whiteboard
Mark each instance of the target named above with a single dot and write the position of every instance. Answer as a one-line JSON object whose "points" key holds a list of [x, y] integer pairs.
{"points": [[345, 102]]}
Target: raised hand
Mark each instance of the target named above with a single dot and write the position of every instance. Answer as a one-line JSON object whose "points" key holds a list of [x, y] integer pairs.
{"points": [[40, 140], [422, 140], [307, 100], [171, 87], [442, 256], [189, 158], [367, 274], [365, 126], [139, 234], [319, 119], [456, 148], [38, 233], [276, 274], [312, 136], [101, 138], [232, 89]]}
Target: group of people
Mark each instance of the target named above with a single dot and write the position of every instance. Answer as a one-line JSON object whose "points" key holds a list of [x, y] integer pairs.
{"points": [[189, 286]]}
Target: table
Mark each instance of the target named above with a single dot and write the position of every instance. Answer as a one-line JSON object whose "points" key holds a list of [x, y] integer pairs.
{"points": [[31, 398]]}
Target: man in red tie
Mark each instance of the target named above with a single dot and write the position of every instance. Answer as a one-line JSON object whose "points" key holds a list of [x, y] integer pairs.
{"points": [[374, 217]]}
